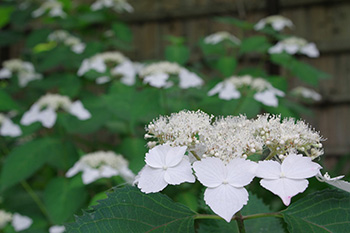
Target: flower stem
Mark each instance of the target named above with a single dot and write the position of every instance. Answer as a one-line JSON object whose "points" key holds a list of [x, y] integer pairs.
{"points": [[240, 223], [195, 155]]}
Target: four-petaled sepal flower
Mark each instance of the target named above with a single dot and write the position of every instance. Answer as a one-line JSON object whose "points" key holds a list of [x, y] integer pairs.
{"points": [[225, 193], [164, 165], [289, 178]]}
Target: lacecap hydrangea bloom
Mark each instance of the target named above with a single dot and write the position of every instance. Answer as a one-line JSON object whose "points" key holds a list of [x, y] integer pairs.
{"points": [[218, 37], [111, 64], [18, 222], [54, 8], [222, 164], [25, 71], [8, 128], [158, 75], [277, 22], [101, 164], [117, 5], [44, 110], [293, 45], [64, 37], [231, 89]]}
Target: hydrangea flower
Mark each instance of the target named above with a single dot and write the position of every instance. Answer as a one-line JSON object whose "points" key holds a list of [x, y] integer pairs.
{"points": [[117, 5], [158, 75], [101, 164], [62, 36], [57, 229], [115, 62], [19, 222], [44, 110], [306, 93], [277, 22], [218, 37], [293, 45], [288, 178], [265, 92], [24, 70], [164, 165], [53, 7], [225, 193], [8, 128]]}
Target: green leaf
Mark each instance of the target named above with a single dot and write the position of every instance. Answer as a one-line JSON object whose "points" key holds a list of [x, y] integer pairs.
{"points": [[226, 65], [5, 13], [63, 197], [26, 159], [255, 44], [129, 210], [177, 53], [237, 22], [6, 102], [44, 47], [323, 211], [248, 105], [9, 37], [122, 31], [134, 149]]}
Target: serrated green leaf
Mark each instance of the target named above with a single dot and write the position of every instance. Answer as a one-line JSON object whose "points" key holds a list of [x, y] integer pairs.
{"points": [[63, 197], [226, 65], [26, 159], [255, 44], [323, 211], [177, 53], [129, 210]]}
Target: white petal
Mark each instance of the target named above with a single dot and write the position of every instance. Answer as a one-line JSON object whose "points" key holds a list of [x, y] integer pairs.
{"points": [[260, 25], [151, 180], [267, 97], [156, 156], [174, 155], [157, 80], [310, 50], [47, 117], [78, 166], [180, 173], [57, 229], [240, 172], [84, 67], [291, 48], [103, 79], [8, 128], [90, 175], [285, 188], [189, 79], [5, 73], [226, 200], [20, 222], [78, 48], [77, 109], [216, 89], [278, 25], [107, 171], [278, 48], [299, 167], [229, 92], [269, 169], [211, 172], [99, 65], [31, 116]]}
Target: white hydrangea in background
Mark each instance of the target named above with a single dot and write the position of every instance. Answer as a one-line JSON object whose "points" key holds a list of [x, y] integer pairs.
{"points": [[277, 22], [306, 93], [114, 62], [230, 89], [8, 128], [293, 45], [18, 222], [54, 8], [24, 70], [64, 37], [117, 5], [44, 110], [57, 229], [218, 37], [158, 75], [101, 164]]}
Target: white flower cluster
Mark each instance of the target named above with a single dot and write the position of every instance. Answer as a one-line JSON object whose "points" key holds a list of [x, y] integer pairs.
{"points": [[115, 62], [25, 71], [117, 5], [277, 22], [101, 164], [8, 128], [62, 36], [306, 93], [53, 7], [19, 222], [230, 89], [293, 45], [44, 110], [158, 74], [224, 168], [218, 37]]}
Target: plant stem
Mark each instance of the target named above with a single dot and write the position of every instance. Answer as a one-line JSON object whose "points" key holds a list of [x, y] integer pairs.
{"points": [[240, 223], [195, 155], [36, 199]]}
